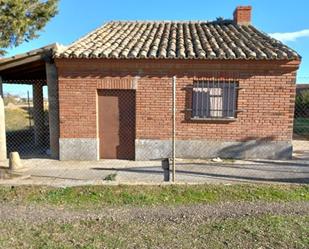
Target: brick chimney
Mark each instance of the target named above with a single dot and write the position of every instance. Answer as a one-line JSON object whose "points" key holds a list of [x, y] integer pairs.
{"points": [[242, 15]]}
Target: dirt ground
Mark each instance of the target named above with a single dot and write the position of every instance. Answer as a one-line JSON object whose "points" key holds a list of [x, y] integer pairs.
{"points": [[187, 213]]}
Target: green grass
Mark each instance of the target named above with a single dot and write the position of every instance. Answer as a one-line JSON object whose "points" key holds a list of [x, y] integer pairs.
{"points": [[244, 232], [94, 196], [301, 126], [16, 119], [110, 177], [258, 232], [133, 231]]}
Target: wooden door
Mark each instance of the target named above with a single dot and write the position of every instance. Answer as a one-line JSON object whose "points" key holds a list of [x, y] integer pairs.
{"points": [[117, 124]]}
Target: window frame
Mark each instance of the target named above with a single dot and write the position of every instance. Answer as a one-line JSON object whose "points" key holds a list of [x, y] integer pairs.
{"points": [[215, 84]]}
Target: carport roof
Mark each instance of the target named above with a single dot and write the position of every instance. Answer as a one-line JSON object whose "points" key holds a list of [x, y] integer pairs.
{"points": [[26, 67]]}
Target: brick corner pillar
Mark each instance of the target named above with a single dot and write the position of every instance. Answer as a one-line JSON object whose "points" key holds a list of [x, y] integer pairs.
{"points": [[3, 150], [38, 113], [53, 108]]}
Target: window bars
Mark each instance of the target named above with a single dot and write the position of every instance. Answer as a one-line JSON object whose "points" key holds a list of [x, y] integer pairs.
{"points": [[214, 99]]}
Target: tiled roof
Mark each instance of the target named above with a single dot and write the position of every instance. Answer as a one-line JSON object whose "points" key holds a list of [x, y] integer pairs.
{"points": [[222, 39]]}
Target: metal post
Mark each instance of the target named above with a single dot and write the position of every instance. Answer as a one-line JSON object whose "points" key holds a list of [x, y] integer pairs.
{"points": [[29, 112], [174, 130]]}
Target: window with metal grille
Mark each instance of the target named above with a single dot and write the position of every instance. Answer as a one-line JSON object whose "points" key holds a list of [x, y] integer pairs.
{"points": [[214, 99]]}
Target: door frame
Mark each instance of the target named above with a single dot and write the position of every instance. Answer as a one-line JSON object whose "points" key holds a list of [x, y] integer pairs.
{"points": [[98, 120]]}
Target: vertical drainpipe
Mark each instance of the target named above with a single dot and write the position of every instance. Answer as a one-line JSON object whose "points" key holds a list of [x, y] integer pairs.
{"points": [[3, 149]]}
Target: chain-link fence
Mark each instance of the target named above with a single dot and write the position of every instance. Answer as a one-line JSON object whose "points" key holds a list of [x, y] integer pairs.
{"points": [[26, 122], [198, 105], [301, 115]]}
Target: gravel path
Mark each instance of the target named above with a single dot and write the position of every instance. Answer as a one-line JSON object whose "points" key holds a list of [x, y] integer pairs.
{"points": [[194, 213]]}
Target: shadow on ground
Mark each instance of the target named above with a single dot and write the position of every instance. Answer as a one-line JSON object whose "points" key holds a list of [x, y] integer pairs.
{"points": [[241, 172]]}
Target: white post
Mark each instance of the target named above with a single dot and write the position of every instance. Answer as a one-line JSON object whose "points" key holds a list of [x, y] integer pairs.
{"points": [[3, 150], [174, 130], [1, 87]]}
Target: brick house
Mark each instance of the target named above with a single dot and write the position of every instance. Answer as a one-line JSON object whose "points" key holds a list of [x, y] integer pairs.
{"points": [[111, 91]]}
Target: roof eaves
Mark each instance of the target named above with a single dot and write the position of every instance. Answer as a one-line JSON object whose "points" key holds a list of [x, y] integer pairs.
{"points": [[30, 56]]}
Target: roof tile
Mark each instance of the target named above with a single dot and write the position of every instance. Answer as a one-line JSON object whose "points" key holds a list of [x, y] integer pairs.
{"points": [[222, 39]]}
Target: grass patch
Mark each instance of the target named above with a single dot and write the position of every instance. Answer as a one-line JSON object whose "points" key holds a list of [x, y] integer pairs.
{"points": [[16, 119], [110, 177], [249, 232], [88, 196], [258, 232]]}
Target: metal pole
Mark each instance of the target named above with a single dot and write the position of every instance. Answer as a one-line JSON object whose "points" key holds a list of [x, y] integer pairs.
{"points": [[174, 130], [28, 100]]}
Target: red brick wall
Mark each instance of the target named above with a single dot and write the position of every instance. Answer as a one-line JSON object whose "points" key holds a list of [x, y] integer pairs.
{"points": [[266, 98]]}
